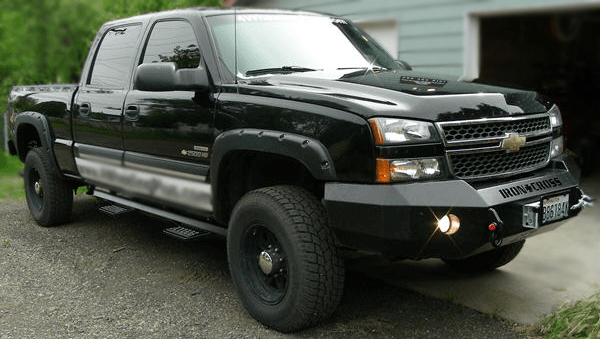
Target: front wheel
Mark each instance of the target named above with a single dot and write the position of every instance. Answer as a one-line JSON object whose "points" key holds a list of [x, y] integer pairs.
{"points": [[49, 195], [489, 260], [283, 259]]}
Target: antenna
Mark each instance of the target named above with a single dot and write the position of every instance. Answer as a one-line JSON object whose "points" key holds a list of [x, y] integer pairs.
{"points": [[235, 44]]}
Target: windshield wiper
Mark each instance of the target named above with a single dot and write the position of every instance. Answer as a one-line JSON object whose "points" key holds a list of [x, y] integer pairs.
{"points": [[374, 68], [279, 70]]}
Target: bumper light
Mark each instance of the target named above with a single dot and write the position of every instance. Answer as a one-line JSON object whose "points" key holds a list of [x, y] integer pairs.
{"points": [[556, 148], [449, 224]]}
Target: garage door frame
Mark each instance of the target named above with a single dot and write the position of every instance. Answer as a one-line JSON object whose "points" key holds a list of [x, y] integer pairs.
{"points": [[472, 29]]}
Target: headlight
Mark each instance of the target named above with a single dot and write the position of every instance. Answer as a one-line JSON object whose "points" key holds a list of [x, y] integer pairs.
{"points": [[407, 169], [557, 146], [395, 131], [555, 117]]}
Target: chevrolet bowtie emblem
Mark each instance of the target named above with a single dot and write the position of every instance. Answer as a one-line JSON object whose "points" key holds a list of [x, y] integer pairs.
{"points": [[513, 143]]}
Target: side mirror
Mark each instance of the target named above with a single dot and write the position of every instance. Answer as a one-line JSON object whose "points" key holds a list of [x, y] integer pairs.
{"points": [[404, 65], [165, 76]]}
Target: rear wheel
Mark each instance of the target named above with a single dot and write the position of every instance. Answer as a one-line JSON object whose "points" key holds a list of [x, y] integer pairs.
{"points": [[49, 195], [283, 259], [489, 260]]}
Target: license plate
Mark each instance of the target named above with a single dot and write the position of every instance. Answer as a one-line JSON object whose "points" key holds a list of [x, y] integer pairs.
{"points": [[555, 208]]}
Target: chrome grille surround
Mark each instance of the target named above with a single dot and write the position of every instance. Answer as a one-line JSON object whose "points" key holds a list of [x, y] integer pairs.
{"points": [[474, 148]]}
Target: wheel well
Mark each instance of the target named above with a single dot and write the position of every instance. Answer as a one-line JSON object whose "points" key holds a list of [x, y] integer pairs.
{"points": [[244, 171], [27, 138]]}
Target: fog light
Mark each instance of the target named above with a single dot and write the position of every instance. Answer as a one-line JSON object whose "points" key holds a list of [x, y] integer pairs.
{"points": [[449, 224]]}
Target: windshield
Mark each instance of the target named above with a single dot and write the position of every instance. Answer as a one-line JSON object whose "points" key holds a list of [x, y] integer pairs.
{"points": [[287, 43]]}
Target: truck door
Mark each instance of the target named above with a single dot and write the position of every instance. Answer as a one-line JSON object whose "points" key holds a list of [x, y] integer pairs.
{"points": [[168, 135], [169, 131], [98, 105]]}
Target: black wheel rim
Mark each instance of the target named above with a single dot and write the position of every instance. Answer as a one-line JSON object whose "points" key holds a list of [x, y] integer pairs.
{"points": [[267, 284], [36, 191]]}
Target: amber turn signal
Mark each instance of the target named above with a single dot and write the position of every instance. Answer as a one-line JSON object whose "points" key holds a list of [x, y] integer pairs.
{"points": [[383, 170]]}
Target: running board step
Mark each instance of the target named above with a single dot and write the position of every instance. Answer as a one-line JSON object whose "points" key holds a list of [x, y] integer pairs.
{"points": [[115, 209], [184, 233], [189, 222]]}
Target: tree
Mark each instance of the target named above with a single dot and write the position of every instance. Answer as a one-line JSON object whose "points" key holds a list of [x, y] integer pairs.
{"points": [[47, 41]]}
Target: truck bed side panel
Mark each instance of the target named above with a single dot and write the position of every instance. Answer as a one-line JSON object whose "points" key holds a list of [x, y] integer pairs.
{"points": [[54, 103]]}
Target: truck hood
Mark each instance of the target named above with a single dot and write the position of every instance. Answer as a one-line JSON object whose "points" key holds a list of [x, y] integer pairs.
{"points": [[398, 93]]}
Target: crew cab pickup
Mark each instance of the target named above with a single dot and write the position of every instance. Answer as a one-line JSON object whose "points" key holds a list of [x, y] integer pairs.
{"points": [[298, 138]]}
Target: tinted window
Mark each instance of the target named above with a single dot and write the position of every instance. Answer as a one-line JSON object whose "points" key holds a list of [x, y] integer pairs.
{"points": [[114, 59], [173, 41]]}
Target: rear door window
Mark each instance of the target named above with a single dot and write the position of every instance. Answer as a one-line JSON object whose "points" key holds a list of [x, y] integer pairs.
{"points": [[114, 59]]}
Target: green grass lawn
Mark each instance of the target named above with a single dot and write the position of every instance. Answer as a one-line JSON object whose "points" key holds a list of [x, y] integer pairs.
{"points": [[581, 320], [11, 184]]}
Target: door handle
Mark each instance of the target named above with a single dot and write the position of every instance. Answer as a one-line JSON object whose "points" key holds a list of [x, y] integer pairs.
{"points": [[132, 113], [84, 109]]}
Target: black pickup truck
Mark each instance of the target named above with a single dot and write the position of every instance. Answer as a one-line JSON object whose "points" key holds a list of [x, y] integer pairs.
{"points": [[298, 138]]}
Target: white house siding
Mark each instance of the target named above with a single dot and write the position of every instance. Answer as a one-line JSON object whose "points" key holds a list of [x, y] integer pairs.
{"points": [[431, 33]]}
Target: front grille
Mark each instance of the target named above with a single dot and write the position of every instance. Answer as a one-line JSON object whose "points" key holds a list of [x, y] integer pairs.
{"points": [[475, 152], [489, 164], [484, 130]]}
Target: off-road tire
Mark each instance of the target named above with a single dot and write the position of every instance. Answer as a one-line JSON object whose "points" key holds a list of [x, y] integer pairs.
{"points": [[487, 261], [307, 281], [49, 195]]}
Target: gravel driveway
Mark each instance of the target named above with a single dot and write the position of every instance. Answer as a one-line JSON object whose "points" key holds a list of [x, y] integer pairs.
{"points": [[120, 277]]}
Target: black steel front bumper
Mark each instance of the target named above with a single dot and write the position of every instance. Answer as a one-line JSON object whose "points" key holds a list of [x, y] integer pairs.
{"points": [[400, 220]]}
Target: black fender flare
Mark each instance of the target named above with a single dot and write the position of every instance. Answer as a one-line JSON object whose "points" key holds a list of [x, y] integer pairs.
{"points": [[42, 126], [308, 151]]}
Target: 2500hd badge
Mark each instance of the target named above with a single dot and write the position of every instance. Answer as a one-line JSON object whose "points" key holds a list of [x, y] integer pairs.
{"points": [[299, 139]]}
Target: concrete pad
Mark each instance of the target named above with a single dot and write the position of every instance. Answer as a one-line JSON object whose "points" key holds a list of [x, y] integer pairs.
{"points": [[553, 268]]}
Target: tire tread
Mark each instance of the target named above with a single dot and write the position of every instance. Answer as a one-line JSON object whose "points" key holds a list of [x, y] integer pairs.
{"points": [[323, 265], [58, 202]]}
